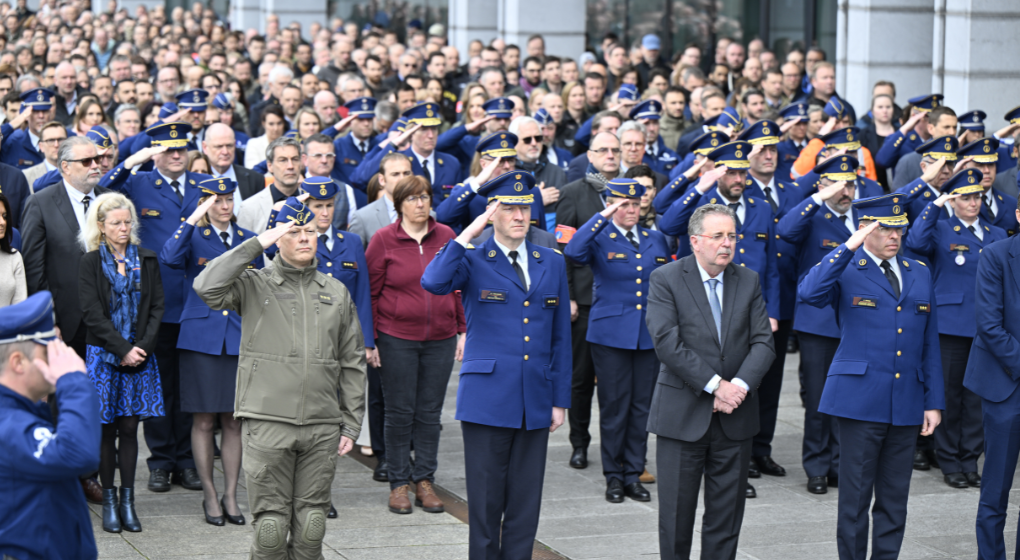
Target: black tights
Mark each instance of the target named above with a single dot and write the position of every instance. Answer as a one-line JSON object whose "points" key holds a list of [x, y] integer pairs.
{"points": [[125, 447]]}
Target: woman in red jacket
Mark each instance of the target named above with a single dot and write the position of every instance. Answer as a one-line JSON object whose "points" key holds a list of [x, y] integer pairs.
{"points": [[416, 338]]}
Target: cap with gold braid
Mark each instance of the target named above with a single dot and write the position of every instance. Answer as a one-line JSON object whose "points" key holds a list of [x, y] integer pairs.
{"points": [[513, 188], [887, 210], [983, 150], [732, 155], [1013, 115], [940, 148], [967, 181], [625, 188], [295, 211], [841, 168], [173, 135], [221, 185], [765, 133], [498, 145], [99, 137], [425, 114], [926, 103], [848, 138], [707, 142], [361, 108]]}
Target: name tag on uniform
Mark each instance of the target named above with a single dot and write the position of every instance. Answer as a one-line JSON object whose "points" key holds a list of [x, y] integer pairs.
{"points": [[955, 247], [493, 295], [660, 260], [550, 301], [864, 302], [922, 307], [25, 163], [150, 213], [202, 261], [350, 264], [617, 256], [325, 298], [830, 244], [349, 161], [761, 236]]}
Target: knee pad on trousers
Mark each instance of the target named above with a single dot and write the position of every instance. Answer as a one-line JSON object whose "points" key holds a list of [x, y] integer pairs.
{"points": [[271, 534], [314, 527]]}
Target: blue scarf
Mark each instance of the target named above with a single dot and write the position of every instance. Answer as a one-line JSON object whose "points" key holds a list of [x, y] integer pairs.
{"points": [[125, 293]]}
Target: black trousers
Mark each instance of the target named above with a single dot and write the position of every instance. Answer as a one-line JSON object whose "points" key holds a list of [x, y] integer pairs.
{"points": [[820, 451], [626, 382], [960, 438], [680, 465], [504, 470], [169, 436], [768, 393], [876, 461], [376, 413], [582, 386]]}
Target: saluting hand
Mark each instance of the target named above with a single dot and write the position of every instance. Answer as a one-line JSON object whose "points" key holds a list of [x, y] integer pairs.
{"points": [[143, 156], [406, 134], [962, 163], [477, 226], [695, 169], [60, 360], [201, 210], [915, 118], [941, 200], [344, 123], [269, 237], [612, 208], [933, 170], [825, 193], [477, 125], [828, 126], [788, 124], [858, 237], [487, 171], [709, 178]]}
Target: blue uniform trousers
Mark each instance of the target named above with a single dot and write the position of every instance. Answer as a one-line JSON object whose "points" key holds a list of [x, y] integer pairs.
{"points": [[169, 437], [959, 438], [768, 393], [504, 470], [626, 382], [1002, 445], [876, 462], [820, 451]]}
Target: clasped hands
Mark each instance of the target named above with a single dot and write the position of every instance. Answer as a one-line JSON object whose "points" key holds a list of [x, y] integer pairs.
{"points": [[728, 396]]}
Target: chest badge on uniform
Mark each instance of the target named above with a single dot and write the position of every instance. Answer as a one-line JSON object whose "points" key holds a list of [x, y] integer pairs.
{"points": [[864, 302], [535, 254], [762, 236], [616, 256], [325, 298], [660, 260], [551, 301], [350, 264], [492, 295], [923, 307], [492, 254]]}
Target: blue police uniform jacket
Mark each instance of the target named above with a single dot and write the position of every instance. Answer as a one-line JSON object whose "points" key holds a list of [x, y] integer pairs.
{"points": [[17, 150], [160, 214], [685, 163], [1006, 159], [44, 515], [346, 262], [816, 231], [14, 186], [897, 145], [993, 372], [790, 197], [617, 316], [944, 242], [459, 144], [563, 157], [464, 205], [15, 239], [664, 160], [756, 238], [668, 194], [348, 158], [887, 368], [517, 356], [788, 152], [190, 249], [1005, 212], [368, 167]]}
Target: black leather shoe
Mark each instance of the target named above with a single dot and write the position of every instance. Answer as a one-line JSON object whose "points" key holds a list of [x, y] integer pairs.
{"points": [[833, 482], [767, 466], [217, 521], [956, 480], [111, 519], [187, 478], [791, 345], [752, 470], [921, 461], [579, 458], [380, 474], [933, 458], [128, 516], [973, 479], [750, 493], [332, 513], [614, 491], [817, 485], [636, 492], [239, 518], [159, 481]]}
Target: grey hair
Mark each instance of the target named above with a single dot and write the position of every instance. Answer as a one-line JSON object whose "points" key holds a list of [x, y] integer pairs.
{"points": [[279, 71], [697, 224], [25, 78], [629, 126], [66, 149], [517, 123], [125, 108], [387, 111], [91, 235], [347, 78], [279, 142]]}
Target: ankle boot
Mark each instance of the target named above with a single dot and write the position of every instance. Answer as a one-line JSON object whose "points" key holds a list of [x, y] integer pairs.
{"points": [[111, 521], [128, 517]]}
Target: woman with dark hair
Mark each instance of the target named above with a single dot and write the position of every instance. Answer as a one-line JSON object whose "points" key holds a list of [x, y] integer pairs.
{"points": [[416, 338], [12, 270], [275, 124], [150, 114]]}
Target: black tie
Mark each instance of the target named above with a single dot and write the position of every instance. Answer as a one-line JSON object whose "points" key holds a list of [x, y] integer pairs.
{"points": [[987, 203], [225, 236], [361, 147], [734, 206], [86, 201], [891, 277], [322, 241], [425, 171], [772, 203], [519, 270], [972, 230], [175, 186], [634, 242]]}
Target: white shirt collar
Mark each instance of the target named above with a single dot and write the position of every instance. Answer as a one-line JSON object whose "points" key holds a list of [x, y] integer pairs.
{"points": [[229, 231], [329, 237], [892, 263], [48, 166], [180, 180], [705, 276], [624, 232], [76, 197], [33, 138], [977, 226], [230, 174], [522, 256], [991, 201]]}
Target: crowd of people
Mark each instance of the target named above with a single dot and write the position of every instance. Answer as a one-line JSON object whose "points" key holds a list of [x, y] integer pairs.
{"points": [[277, 237]]}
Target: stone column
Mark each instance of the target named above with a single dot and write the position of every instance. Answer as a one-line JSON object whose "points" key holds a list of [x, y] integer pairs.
{"points": [[246, 14], [305, 12], [561, 23], [470, 20]]}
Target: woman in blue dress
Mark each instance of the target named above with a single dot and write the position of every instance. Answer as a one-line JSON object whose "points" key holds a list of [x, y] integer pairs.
{"points": [[209, 344], [122, 303]]}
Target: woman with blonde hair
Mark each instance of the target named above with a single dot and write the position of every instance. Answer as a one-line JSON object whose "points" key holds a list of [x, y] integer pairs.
{"points": [[89, 113], [198, 162], [121, 295], [307, 122]]}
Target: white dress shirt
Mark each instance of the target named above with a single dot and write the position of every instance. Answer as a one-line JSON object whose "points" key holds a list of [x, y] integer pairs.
{"points": [[713, 383], [772, 189], [77, 205], [522, 258], [977, 227], [431, 159], [219, 233], [741, 210], [329, 238], [892, 264]]}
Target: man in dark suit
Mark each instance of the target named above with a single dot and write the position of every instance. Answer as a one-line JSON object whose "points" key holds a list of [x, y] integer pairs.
{"points": [[711, 332], [52, 220], [220, 146]]}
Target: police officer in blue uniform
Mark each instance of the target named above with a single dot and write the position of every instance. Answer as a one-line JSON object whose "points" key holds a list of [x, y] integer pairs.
{"points": [[460, 141], [352, 148], [954, 248], [20, 148], [657, 156], [817, 225], [622, 256], [847, 139], [397, 135], [796, 139], [515, 377], [972, 126], [699, 148], [44, 510], [555, 155], [906, 139], [885, 382], [463, 205], [442, 170], [164, 198], [997, 207], [931, 180]]}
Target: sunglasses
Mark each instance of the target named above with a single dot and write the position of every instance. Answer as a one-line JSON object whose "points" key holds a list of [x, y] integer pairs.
{"points": [[531, 139], [87, 162]]}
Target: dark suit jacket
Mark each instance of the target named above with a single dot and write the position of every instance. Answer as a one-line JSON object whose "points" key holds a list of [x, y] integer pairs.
{"points": [[94, 289], [579, 201], [248, 182], [680, 321], [62, 115], [52, 253], [992, 370]]}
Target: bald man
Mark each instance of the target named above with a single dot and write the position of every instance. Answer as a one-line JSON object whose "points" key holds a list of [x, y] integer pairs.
{"points": [[220, 146], [68, 92]]}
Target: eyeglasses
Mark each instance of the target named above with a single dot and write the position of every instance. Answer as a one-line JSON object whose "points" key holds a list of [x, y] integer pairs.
{"points": [[422, 198], [718, 237], [633, 145], [52, 140], [604, 151], [87, 162], [531, 139]]}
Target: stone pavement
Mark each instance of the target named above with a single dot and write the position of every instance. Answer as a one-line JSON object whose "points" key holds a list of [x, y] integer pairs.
{"points": [[785, 522]]}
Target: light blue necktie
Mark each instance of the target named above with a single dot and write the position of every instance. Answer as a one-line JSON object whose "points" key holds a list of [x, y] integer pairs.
{"points": [[716, 307]]}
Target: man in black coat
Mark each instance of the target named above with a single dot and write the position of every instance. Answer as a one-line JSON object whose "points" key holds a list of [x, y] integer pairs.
{"points": [[220, 146]]}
